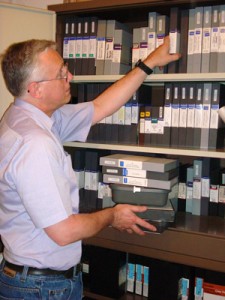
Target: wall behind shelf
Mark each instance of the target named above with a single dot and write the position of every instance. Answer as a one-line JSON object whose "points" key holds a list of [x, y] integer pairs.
{"points": [[33, 23], [38, 4]]}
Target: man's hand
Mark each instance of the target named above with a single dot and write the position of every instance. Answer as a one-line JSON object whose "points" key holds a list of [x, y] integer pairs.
{"points": [[161, 55], [125, 218]]}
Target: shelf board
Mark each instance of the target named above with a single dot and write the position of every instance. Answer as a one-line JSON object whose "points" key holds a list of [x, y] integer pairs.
{"points": [[154, 78], [197, 241], [101, 5], [218, 153]]}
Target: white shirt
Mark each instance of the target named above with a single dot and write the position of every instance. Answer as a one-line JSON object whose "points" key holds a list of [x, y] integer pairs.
{"points": [[37, 183]]}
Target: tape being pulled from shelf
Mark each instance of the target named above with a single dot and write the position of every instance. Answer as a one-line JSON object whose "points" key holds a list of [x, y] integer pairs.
{"points": [[222, 113]]}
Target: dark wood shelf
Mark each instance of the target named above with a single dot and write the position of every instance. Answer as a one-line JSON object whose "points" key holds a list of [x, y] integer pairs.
{"points": [[193, 240], [101, 5]]}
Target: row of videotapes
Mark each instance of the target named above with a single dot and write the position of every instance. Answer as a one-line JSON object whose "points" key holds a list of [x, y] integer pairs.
{"points": [[96, 46], [178, 115]]}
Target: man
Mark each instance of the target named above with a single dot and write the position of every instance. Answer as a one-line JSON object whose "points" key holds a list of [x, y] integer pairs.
{"points": [[40, 225]]}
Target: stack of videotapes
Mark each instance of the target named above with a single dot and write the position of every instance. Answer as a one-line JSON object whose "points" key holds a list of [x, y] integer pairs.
{"points": [[143, 180]]}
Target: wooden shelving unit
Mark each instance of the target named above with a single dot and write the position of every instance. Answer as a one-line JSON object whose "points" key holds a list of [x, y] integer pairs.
{"points": [[192, 240]]}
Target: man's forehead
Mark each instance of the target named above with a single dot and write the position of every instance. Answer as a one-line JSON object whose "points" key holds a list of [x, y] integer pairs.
{"points": [[52, 59]]}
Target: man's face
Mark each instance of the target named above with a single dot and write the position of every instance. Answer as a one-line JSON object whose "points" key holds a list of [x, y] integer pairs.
{"points": [[54, 81]]}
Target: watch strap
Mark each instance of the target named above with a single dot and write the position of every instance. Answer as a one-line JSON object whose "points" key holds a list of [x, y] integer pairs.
{"points": [[143, 67]]}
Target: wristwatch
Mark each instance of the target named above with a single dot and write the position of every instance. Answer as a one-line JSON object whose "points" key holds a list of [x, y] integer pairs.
{"points": [[143, 67]]}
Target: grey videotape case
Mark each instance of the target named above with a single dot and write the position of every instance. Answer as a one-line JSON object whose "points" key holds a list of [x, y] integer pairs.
{"points": [[130, 194]]}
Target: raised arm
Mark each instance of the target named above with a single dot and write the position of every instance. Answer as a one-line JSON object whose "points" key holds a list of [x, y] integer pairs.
{"points": [[121, 91]]}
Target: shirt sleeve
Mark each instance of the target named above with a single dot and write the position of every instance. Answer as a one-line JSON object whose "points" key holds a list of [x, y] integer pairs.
{"points": [[73, 121]]}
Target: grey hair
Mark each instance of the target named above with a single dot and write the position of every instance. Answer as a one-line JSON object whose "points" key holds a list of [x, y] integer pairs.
{"points": [[19, 62]]}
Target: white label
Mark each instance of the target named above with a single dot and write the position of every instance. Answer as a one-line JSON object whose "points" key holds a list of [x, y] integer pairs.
{"points": [[101, 48], [206, 39], [109, 49]]}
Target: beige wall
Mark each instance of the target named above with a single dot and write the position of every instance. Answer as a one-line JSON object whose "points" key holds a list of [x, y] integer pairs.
{"points": [[19, 23], [32, 3]]}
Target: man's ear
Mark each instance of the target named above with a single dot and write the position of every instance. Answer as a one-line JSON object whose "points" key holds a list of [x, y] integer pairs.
{"points": [[34, 90]]}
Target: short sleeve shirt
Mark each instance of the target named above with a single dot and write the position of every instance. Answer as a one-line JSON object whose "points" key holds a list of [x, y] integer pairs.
{"points": [[38, 186]]}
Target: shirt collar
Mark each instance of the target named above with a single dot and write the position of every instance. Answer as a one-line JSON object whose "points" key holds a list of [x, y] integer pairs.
{"points": [[35, 113]]}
